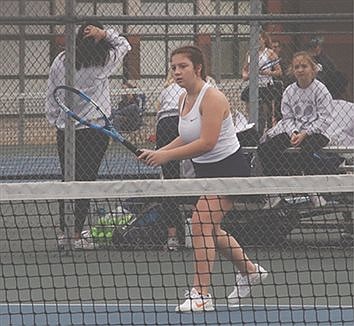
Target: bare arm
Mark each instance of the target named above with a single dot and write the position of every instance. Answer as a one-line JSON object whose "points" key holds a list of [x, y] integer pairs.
{"points": [[177, 142]]}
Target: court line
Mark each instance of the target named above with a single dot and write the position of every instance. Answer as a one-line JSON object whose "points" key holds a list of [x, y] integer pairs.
{"points": [[173, 304]]}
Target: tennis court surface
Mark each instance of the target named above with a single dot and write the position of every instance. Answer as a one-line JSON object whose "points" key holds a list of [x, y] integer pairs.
{"points": [[140, 283]]}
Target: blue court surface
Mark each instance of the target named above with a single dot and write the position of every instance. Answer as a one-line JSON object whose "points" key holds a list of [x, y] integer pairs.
{"points": [[113, 166], [164, 314]]}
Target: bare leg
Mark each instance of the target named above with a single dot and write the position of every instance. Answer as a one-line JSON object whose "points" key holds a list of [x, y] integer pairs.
{"points": [[228, 245], [206, 231], [203, 244], [232, 250]]}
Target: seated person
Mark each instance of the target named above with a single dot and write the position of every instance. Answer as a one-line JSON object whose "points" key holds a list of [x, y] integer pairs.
{"points": [[328, 74], [306, 109], [132, 98], [129, 114]]}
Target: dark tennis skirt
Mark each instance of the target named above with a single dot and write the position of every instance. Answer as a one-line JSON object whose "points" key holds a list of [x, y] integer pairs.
{"points": [[235, 165]]}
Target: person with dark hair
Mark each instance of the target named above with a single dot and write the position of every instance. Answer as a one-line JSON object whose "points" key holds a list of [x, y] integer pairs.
{"points": [[98, 53], [207, 135], [328, 74]]}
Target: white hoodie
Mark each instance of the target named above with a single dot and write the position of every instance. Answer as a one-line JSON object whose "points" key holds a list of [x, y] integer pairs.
{"points": [[93, 81]]}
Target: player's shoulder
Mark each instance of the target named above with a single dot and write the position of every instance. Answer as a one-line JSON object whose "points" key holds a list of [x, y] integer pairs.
{"points": [[214, 95], [214, 92]]}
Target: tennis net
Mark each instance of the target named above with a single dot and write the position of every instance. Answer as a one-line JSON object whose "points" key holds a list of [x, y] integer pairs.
{"points": [[300, 229]]}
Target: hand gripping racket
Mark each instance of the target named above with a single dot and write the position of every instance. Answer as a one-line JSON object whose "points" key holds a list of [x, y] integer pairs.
{"points": [[270, 64], [90, 108]]}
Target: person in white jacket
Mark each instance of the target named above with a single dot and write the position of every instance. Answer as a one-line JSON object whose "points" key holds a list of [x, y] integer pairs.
{"points": [[98, 53]]}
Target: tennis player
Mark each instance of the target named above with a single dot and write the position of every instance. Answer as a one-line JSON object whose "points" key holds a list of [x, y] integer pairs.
{"points": [[98, 54], [207, 135]]}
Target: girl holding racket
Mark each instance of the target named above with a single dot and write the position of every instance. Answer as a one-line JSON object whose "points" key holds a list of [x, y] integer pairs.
{"points": [[269, 68], [98, 53], [207, 135]]}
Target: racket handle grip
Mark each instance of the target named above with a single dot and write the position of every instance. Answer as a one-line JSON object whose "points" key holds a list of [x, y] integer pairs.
{"points": [[138, 152], [132, 148]]}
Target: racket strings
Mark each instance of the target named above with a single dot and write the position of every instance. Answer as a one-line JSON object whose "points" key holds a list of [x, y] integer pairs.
{"points": [[84, 109]]}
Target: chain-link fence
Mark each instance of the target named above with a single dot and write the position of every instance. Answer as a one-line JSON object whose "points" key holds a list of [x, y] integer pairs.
{"points": [[33, 33], [287, 121]]}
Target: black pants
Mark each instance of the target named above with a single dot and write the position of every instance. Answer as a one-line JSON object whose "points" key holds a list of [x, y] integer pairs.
{"points": [[90, 147], [275, 161], [166, 131]]}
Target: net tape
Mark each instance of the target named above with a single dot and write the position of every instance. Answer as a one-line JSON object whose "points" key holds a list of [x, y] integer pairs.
{"points": [[182, 188]]}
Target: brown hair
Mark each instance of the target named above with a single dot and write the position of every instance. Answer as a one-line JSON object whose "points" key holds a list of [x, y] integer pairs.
{"points": [[307, 57], [267, 40], [194, 54]]}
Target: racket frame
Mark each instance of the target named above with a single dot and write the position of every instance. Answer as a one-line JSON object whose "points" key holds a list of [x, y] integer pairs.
{"points": [[270, 64], [107, 129]]}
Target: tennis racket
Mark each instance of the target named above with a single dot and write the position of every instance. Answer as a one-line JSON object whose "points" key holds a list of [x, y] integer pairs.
{"points": [[270, 64], [89, 108]]}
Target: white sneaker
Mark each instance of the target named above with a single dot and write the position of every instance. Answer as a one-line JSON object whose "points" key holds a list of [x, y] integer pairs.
{"points": [[244, 284], [317, 200], [272, 202], [83, 244], [172, 244], [86, 234], [196, 302]]}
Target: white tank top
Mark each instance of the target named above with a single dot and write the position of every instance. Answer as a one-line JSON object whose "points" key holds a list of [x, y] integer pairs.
{"points": [[189, 130]]}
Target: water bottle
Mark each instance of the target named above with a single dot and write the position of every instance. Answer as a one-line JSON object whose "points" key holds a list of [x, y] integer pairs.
{"points": [[101, 213], [188, 233]]}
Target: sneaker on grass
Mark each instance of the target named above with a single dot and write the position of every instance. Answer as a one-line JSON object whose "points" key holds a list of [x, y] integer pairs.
{"points": [[244, 284], [196, 302]]}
